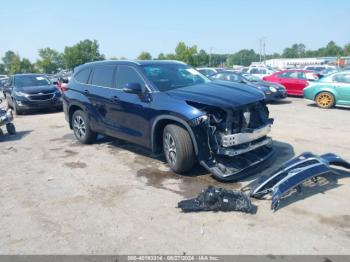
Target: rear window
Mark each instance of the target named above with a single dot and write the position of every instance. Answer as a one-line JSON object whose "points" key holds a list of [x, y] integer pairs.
{"points": [[103, 76], [83, 75]]}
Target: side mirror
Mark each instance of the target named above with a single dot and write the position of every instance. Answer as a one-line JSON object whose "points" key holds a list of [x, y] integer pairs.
{"points": [[132, 88]]}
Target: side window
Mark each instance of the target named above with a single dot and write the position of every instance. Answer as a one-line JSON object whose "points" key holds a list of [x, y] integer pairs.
{"points": [[263, 71], [342, 78], [83, 75], [254, 71], [284, 75], [289, 75], [127, 74], [103, 76], [301, 75]]}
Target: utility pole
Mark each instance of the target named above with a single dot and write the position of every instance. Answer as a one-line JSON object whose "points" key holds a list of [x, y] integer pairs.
{"points": [[262, 48], [211, 50]]}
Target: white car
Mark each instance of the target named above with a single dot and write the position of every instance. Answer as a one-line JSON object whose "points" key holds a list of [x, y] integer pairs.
{"points": [[208, 71], [259, 71]]}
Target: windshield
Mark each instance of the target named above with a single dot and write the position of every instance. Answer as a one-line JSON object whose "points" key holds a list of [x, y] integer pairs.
{"points": [[251, 78], [31, 80], [171, 76]]}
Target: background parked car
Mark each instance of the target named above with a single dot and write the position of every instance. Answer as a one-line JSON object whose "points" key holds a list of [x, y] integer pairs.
{"points": [[321, 70], [259, 71], [332, 90], [208, 71], [272, 91], [31, 91], [293, 80]]}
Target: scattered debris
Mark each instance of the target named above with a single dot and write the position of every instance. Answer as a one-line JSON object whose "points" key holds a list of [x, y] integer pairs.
{"points": [[292, 174], [217, 199]]}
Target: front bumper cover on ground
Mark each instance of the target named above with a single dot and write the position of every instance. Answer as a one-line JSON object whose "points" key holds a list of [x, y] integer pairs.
{"points": [[292, 174]]}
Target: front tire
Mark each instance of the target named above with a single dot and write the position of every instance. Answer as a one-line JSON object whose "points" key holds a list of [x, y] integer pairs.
{"points": [[16, 110], [11, 129], [325, 100], [81, 128], [178, 148]]}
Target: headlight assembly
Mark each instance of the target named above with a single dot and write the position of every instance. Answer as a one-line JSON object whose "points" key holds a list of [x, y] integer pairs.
{"points": [[19, 93], [273, 89]]}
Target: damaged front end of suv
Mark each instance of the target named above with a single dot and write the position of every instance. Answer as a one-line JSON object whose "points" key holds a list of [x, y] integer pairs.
{"points": [[233, 141]]}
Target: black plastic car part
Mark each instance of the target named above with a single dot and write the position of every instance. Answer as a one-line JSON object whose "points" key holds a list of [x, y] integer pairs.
{"points": [[217, 199], [292, 174]]}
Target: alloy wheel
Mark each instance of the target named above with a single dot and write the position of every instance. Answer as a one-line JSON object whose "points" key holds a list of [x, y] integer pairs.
{"points": [[170, 148], [79, 127], [325, 100]]}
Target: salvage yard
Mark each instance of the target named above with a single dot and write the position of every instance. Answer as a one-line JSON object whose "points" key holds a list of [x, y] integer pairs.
{"points": [[60, 197]]}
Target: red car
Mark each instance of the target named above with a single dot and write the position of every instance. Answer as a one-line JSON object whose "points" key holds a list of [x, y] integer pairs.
{"points": [[293, 80]]}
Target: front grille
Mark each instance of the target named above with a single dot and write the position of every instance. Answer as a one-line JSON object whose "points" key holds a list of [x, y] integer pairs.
{"points": [[40, 97]]}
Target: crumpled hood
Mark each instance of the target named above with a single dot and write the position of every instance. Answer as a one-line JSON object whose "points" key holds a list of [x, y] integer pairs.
{"points": [[37, 89], [222, 94]]}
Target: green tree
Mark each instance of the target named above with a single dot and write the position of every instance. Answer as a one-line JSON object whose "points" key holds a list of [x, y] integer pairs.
{"points": [[161, 56], [27, 66], [332, 49], [185, 53], [81, 53], [202, 58], [144, 56], [347, 50], [12, 62], [297, 50], [50, 60], [2, 69], [243, 57]]}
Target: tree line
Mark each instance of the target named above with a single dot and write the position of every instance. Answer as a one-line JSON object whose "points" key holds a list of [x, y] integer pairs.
{"points": [[51, 61]]}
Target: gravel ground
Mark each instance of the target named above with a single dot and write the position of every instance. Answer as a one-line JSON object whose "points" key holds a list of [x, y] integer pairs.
{"points": [[60, 197]]}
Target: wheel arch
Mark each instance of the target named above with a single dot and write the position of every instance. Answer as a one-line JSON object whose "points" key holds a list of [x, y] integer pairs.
{"points": [[71, 110], [157, 131], [329, 90]]}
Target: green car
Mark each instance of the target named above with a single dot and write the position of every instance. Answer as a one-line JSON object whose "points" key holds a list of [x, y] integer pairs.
{"points": [[329, 91]]}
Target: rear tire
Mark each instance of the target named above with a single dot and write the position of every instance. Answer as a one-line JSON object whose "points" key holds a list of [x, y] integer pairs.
{"points": [[11, 129], [178, 148], [325, 100], [81, 128]]}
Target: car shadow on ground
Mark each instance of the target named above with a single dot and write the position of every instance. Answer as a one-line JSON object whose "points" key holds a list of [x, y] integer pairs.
{"points": [[18, 136], [310, 188], [283, 152], [280, 102], [333, 108], [39, 112]]}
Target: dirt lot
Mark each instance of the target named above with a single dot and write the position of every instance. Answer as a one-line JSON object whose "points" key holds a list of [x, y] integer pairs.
{"points": [[60, 197]]}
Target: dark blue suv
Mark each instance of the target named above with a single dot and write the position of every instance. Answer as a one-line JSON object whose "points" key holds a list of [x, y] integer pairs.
{"points": [[169, 106]]}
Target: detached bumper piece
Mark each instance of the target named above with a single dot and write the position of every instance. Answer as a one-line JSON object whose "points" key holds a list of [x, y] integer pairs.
{"points": [[217, 199], [292, 174]]}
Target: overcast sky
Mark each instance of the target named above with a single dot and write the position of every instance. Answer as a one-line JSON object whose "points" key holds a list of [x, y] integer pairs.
{"points": [[125, 28]]}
